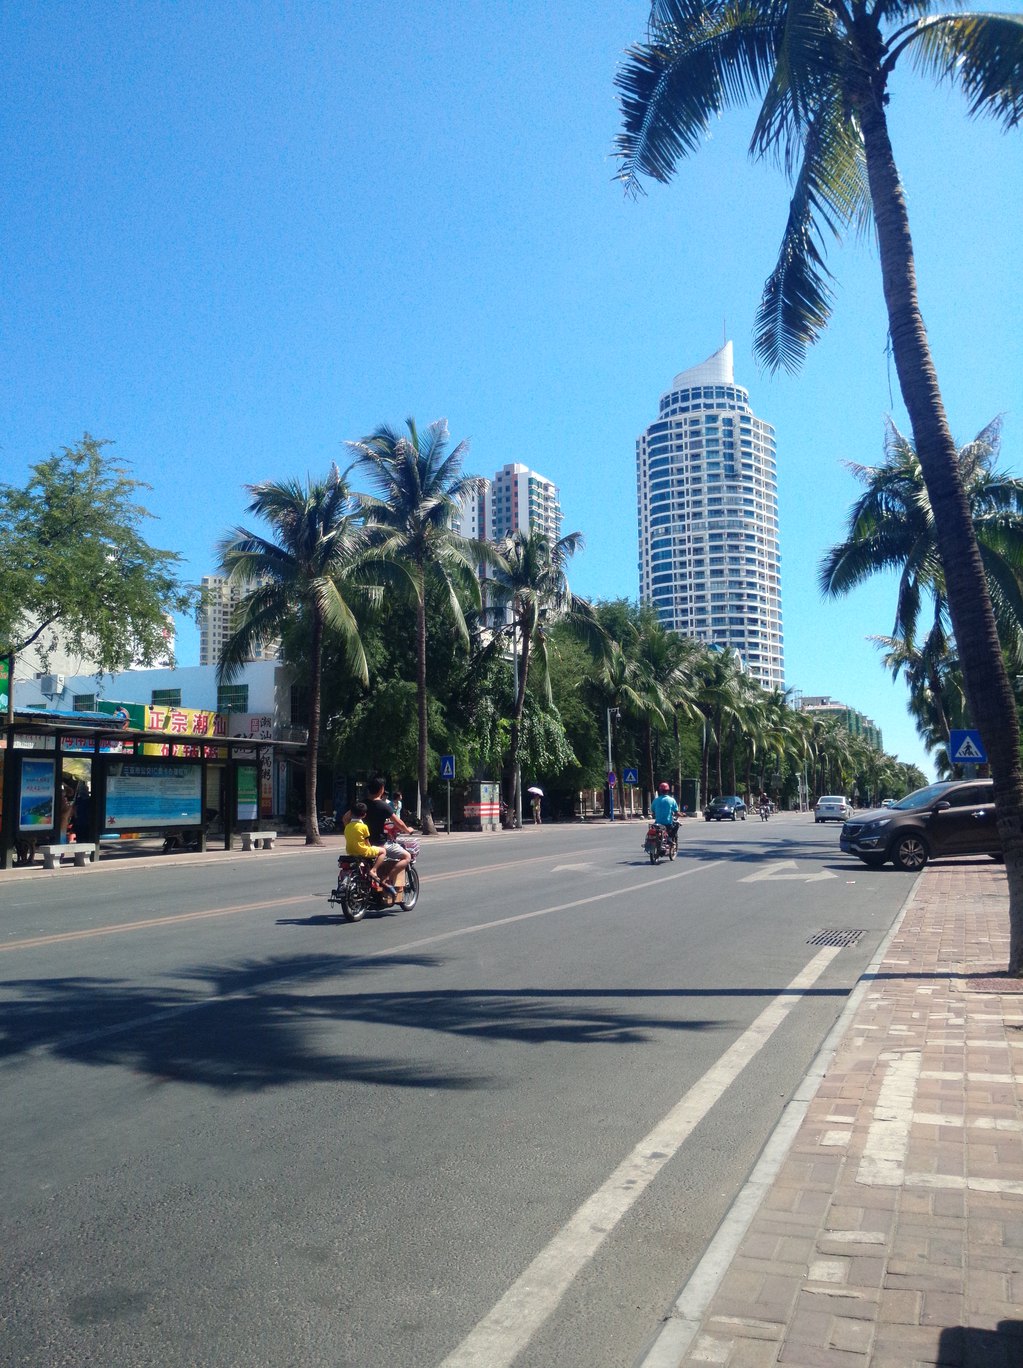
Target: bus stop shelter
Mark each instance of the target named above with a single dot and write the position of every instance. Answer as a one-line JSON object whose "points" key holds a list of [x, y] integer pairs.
{"points": [[129, 783]]}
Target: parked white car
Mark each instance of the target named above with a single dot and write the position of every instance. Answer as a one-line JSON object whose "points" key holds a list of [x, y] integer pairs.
{"points": [[832, 808]]}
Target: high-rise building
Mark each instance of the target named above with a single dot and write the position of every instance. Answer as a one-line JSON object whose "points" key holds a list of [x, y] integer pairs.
{"points": [[854, 722], [709, 558], [521, 500], [220, 600], [517, 499]]}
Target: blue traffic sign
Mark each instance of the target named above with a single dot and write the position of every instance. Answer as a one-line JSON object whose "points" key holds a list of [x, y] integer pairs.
{"points": [[612, 779], [631, 776], [447, 767], [966, 748]]}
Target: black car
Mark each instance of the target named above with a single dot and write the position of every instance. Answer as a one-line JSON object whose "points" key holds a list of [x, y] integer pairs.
{"points": [[725, 809], [955, 817]]}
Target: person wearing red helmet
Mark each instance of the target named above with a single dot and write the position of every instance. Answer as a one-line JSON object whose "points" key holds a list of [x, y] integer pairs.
{"points": [[664, 811]]}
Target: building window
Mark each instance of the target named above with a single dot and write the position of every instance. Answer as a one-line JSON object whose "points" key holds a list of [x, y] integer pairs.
{"points": [[165, 698], [299, 706], [83, 702], [232, 698]]}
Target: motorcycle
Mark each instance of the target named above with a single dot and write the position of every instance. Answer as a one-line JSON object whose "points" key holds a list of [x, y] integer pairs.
{"points": [[660, 843], [357, 892], [765, 811]]}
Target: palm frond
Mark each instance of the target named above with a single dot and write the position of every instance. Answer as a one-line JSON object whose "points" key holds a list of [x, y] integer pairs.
{"points": [[829, 193], [699, 59], [982, 53]]}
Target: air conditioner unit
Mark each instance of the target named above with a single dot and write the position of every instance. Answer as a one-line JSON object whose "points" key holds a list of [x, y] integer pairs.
{"points": [[51, 684]]}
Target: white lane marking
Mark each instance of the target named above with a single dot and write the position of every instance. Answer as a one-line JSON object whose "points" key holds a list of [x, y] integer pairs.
{"points": [[508, 1328], [676, 1335], [787, 869], [179, 1010], [884, 1150]]}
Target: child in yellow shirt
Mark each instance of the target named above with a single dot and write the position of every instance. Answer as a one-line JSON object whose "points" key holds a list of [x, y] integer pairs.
{"points": [[357, 842]]}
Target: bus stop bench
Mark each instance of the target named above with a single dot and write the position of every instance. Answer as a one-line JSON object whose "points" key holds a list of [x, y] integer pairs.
{"points": [[252, 840], [83, 851]]}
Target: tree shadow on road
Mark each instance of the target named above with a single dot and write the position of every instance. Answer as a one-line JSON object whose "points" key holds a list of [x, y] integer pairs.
{"points": [[241, 1028], [283, 1021]]}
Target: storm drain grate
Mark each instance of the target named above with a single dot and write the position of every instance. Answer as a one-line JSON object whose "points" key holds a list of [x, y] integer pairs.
{"points": [[835, 937]]}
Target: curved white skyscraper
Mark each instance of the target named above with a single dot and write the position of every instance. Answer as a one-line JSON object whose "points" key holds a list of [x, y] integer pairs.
{"points": [[708, 518]]}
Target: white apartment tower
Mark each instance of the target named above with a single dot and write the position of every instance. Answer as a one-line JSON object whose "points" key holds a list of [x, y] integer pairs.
{"points": [[709, 557], [220, 599]]}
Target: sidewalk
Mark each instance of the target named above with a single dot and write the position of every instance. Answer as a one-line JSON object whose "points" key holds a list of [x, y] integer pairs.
{"points": [[890, 1233]]}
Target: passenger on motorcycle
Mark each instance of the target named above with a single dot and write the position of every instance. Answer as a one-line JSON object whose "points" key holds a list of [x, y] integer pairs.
{"points": [[664, 811], [358, 844], [381, 820]]}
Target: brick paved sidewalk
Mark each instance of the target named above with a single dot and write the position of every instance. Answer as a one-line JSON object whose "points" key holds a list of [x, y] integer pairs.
{"points": [[892, 1235]]}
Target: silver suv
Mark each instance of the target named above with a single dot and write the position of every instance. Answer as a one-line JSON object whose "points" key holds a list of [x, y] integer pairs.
{"points": [[955, 817]]}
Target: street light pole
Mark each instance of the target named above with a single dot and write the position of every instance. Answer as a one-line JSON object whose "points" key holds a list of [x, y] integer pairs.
{"points": [[518, 768], [610, 767]]}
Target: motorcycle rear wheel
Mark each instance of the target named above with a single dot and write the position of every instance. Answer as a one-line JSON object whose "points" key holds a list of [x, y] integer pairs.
{"points": [[672, 851], [411, 895], [354, 899]]}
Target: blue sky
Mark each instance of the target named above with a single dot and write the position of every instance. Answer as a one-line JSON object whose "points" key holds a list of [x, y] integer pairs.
{"points": [[236, 235]]}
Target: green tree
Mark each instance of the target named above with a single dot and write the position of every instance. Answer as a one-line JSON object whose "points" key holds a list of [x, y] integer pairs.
{"points": [[73, 560], [891, 527], [309, 566], [822, 72], [529, 582], [420, 494], [936, 698]]}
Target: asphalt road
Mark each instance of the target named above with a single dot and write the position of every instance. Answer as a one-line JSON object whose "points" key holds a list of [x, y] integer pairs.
{"points": [[499, 1129]]}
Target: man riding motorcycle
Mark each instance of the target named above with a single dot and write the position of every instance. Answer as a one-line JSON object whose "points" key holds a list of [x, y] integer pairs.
{"points": [[383, 825], [664, 811]]}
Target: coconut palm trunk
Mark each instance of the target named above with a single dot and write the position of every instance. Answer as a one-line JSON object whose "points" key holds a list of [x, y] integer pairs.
{"points": [[422, 710], [312, 824], [984, 675], [511, 776]]}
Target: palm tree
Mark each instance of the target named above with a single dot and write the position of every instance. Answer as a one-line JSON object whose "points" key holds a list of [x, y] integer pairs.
{"points": [[529, 581], [421, 493], [936, 699], [618, 686], [667, 682], [822, 71], [307, 566], [892, 527]]}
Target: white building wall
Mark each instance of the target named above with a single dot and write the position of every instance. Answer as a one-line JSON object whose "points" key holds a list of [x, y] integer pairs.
{"points": [[269, 685], [709, 555]]}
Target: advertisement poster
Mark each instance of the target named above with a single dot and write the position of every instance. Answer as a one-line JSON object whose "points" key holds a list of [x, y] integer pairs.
{"points": [[248, 808], [152, 795], [172, 721], [36, 809], [260, 726]]}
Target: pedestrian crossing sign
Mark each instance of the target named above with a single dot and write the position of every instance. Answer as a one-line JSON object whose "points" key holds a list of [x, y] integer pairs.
{"points": [[447, 767], [631, 776], [966, 748]]}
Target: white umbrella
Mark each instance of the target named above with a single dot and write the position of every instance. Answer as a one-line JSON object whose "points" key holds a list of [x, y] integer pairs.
{"points": [[537, 791]]}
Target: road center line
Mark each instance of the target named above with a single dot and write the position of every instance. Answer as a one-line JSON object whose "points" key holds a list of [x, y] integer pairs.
{"points": [[502, 1334], [231, 909]]}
